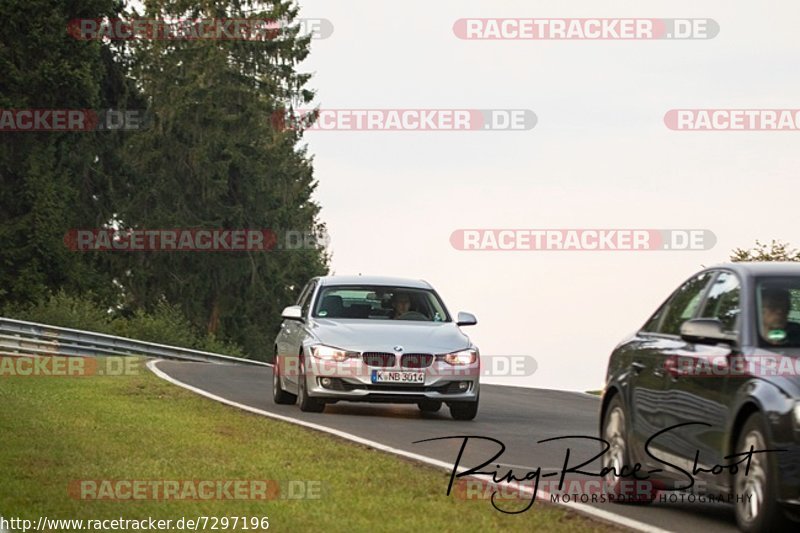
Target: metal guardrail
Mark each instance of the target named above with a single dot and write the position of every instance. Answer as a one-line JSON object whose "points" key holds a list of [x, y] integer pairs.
{"points": [[18, 337]]}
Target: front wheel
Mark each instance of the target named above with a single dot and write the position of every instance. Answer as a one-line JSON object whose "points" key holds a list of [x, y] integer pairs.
{"points": [[757, 488], [463, 410], [623, 489], [429, 406], [307, 403], [280, 396]]}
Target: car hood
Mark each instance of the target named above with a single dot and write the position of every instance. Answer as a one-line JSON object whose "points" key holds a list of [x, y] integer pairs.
{"points": [[384, 336]]}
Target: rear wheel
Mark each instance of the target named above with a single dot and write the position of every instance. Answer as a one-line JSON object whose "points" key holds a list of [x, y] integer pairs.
{"points": [[757, 488], [307, 403], [463, 410], [429, 406], [623, 489], [279, 395]]}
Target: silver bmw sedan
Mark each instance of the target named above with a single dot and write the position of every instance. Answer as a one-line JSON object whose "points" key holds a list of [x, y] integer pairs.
{"points": [[375, 339]]}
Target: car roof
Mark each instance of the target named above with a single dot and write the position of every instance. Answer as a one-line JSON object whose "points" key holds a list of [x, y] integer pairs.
{"points": [[762, 268], [374, 280]]}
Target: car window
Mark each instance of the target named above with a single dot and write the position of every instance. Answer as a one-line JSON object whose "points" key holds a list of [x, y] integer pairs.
{"points": [[303, 294], [306, 301], [722, 301], [380, 303], [778, 309], [683, 304], [652, 325]]}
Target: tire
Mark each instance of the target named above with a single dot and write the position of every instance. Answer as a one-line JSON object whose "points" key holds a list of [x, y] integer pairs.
{"points": [[429, 406], [623, 489], [307, 403], [464, 410], [280, 396], [761, 512]]}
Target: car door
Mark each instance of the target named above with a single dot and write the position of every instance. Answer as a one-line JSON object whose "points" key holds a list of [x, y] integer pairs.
{"points": [[292, 335], [642, 354], [650, 394], [700, 386]]}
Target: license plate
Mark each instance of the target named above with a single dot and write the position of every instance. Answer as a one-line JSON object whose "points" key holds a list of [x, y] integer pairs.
{"points": [[389, 376]]}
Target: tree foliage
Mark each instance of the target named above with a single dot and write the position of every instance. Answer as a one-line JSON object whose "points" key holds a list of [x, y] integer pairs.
{"points": [[775, 251], [211, 158], [50, 182]]}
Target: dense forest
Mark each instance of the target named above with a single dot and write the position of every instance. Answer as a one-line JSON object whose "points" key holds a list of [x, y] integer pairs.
{"points": [[203, 153]]}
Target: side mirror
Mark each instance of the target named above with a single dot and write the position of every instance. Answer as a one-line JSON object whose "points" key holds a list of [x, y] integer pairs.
{"points": [[466, 319], [293, 312], [706, 331]]}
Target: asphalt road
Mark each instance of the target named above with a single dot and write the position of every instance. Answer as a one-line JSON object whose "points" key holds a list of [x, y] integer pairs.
{"points": [[519, 417]]}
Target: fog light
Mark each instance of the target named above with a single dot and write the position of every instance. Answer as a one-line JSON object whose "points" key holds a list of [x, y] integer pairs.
{"points": [[326, 382], [464, 385]]}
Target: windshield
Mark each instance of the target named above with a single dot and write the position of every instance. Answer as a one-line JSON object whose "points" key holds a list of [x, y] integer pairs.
{"points": [[380, 303], [778, 301]]}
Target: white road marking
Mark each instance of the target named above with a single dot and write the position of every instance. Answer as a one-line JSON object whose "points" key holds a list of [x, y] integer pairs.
{"points": [[579, 507]]}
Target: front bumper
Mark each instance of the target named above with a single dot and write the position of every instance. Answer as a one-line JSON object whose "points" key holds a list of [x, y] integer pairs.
{"points": [[353, 380]]}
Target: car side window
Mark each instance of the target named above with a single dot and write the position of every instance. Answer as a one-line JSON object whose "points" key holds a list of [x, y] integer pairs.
{"points": [[683, 303], [306, 303], [722, 301], [301, 298], [652, 325]]}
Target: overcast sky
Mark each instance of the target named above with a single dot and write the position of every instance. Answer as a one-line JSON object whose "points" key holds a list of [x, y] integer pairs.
{"points": [[599, 157]]}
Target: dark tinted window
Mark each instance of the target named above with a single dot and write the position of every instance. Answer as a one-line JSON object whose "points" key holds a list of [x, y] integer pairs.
{"points": [[722, 301], [652, 324], [683, 303], [305, 300], [778, 304], [379, 303], [303, 294]]}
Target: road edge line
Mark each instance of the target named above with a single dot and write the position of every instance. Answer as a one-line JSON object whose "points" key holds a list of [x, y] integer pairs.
{"points": [[600, 514]]}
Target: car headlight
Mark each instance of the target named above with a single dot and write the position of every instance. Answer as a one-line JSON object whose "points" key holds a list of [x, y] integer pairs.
{"points": [[796, 413], [464, 357], [328, 353]]}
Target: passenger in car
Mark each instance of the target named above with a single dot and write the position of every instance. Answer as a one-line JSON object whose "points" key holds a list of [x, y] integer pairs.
{"points": [[776, 328]]}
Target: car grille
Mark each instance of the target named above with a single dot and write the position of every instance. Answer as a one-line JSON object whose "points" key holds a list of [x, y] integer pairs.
{"points": [[416, 360], [378, 359]]}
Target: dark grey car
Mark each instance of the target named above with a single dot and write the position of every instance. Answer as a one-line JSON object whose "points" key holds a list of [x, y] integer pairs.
{"points": [[717, 367]]}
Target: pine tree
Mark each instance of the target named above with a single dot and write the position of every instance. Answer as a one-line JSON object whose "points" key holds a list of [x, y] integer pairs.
{"points": [[51, 182], [214, 160]]}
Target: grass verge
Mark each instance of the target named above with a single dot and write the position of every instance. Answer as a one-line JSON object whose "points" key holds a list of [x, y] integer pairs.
{"points": [[56, 431]]}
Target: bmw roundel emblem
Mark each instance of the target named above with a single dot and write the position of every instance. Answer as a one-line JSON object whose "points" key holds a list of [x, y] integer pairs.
{"points": [[398, 348]]}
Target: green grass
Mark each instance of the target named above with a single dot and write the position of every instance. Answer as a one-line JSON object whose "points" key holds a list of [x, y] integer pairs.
{"points": [[55, 430], [595, 392]]}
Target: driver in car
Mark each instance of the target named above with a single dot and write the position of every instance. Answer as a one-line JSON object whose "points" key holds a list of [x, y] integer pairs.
{"points": [[776, 328], [401, 302]]}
